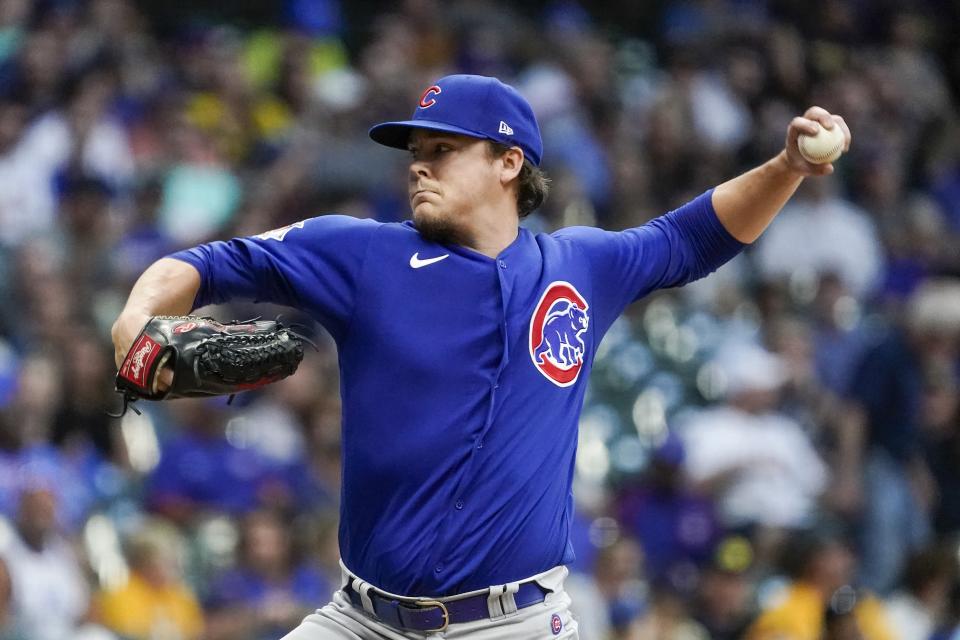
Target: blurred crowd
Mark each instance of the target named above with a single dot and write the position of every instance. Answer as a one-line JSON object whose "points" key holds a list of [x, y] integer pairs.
{"points": [[773, 452]]}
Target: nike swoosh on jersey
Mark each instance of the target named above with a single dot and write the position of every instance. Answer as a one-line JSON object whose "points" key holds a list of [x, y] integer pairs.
{"points": [[416, 262]]}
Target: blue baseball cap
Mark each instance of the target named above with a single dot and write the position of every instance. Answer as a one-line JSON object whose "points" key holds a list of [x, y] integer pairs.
{"points": [[475, 106]]}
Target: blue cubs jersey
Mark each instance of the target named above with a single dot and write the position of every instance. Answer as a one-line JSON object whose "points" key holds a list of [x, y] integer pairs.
{"points": [[462, 376]]}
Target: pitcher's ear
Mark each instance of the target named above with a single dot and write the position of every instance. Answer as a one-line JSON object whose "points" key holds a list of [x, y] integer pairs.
{"points": [[512, 162]]}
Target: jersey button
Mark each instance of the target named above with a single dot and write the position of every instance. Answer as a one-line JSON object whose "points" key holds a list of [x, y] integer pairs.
{"points": [[439, 569], [502, 263], [459, 505]]}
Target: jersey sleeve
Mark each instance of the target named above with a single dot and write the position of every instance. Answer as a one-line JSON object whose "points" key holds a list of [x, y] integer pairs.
{"points": [[678, 247], [312, 265]]}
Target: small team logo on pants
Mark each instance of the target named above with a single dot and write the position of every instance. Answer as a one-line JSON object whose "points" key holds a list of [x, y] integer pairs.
{"points": [[556, 624], [558, 321]]}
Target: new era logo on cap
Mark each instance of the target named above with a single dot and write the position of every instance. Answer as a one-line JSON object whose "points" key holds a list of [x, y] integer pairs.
{"points": [[475, 106]]}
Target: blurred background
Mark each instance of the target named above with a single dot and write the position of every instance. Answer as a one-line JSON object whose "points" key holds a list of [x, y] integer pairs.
{"points": [[773, 452]]}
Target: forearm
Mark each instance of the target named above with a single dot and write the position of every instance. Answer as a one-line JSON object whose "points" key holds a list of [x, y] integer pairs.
{"points": [[748, 203], [168, 287]]}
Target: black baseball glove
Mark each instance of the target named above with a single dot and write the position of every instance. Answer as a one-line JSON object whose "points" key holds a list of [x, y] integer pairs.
{"points": [[208, 358]]}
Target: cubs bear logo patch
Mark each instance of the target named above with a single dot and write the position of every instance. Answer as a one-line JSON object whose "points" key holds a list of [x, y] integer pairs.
{"points": [[558, 322], [556, 624]]}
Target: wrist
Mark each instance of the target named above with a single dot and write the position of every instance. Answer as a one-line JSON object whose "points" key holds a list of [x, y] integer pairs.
{"points": [[783, 164], [134, 317], [128, 325]]}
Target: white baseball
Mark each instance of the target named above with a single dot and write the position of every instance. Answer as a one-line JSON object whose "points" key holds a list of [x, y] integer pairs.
{"points": [[825, 146]]}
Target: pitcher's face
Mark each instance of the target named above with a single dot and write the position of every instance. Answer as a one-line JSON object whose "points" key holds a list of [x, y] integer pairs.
{"points": [[449, 176]]}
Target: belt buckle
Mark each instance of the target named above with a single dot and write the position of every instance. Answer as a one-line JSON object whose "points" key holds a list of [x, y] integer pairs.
{"points": [[436, 603]]}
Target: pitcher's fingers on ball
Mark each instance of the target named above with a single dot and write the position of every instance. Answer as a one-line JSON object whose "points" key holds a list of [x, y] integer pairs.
{"points": [[821, 116], [847, 138], [803, 124]]}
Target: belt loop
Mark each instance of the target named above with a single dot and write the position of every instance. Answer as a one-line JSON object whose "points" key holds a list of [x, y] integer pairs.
{"points": [[363, 588], [507, 601], [494, 606]]}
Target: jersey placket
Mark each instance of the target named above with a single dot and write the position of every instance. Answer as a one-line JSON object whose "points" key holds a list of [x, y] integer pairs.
{"points": [[506, 287]]}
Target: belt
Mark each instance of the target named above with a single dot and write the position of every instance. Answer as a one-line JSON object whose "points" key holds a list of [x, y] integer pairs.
{"points": [[436, 615]]}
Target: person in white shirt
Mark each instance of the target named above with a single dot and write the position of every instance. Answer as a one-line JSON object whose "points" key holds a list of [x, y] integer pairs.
{"points": [[819, 233], [48, 596], [759, 463]]}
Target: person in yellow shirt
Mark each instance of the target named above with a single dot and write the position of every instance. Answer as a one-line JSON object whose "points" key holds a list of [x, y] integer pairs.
{"points": [[820, 567], [155, 603]]}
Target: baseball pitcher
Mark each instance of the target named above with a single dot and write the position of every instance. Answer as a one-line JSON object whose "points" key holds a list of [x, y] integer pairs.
{"points": [[465, 343]]}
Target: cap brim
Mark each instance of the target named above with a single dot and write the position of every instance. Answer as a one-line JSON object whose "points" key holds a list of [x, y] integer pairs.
{"points": [[397, 134]]}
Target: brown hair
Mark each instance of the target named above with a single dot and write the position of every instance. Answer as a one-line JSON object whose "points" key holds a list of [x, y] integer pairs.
{"points": [[533, 185]]}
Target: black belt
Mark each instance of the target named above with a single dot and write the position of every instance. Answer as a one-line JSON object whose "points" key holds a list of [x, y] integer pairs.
{"points": [[434, 615]]}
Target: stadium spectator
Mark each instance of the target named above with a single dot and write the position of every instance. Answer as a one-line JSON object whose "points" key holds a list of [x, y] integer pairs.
{"points": [[676, 527], [154, 602], [270, 590], [918, 609], [887, 394], [820, 232], [46, 596], [838, 333], [666, 618], [80, 427], [724, 601], [202, 471], [27, 457], [619, 577], [818, 565], [590, 612], [758, 462]]}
